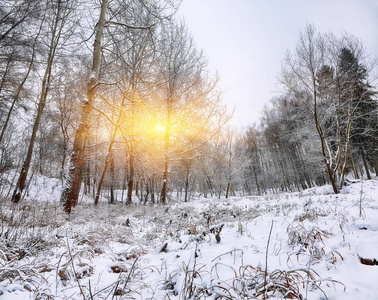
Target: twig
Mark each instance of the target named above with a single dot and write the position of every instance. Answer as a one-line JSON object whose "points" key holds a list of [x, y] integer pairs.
{"points": [[90, 290], [73, 269], [129, 275], [266, 261], [105, 288], [228, 252]]}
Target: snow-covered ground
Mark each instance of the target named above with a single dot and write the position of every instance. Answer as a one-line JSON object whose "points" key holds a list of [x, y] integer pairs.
{"points": [[307, 245]]}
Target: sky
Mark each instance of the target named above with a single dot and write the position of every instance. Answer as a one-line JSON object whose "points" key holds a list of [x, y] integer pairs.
{"points": [[245, 41]]}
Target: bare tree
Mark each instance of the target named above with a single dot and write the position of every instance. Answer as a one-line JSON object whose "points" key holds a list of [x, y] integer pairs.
{"points": [[191, 108], [13, 15], [60, 16], [18, 50], [71, 190], [317, 55]]}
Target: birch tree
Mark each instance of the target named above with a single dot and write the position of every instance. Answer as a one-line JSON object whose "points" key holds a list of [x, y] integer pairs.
{"points": [[19, 49], [191, 107], [316, 58], [106, 22], [71, 191], [60, 14]]}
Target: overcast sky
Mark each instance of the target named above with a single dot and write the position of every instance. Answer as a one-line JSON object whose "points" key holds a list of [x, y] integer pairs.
{"points": [[246, 40]]}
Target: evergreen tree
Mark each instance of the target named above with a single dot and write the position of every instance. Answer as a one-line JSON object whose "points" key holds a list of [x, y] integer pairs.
{"points": [[354, 86]]}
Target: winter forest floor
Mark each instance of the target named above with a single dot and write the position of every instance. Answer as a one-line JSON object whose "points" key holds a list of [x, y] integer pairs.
{"points": [[306, 245]]}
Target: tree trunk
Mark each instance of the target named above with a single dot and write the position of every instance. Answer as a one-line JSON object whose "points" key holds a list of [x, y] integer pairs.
{"points": [[186, 189], [152, 182], [70, 193], [208, 180], [41, 170], [323, 147], [376, 163], [15, 98], [256, 181], [228, 189], [64, 156], [137, 189], [98, 193], [148, 190], [124, 183], [356, 176], [130, 183], [163, 196], [109, 158], [112, 198], [346, 151], [5, 73], [187, 181], [20, 186], [164, 190], [20, 87], [365, 164], [87, 187], [94, 182]]}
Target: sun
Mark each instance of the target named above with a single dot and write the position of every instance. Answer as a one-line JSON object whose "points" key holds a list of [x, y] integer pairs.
{"points": [[151, 128], [159, 128]]}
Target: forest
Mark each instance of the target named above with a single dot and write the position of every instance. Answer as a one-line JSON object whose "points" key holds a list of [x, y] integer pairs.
{"points": [[139, 112], [113, 102]]}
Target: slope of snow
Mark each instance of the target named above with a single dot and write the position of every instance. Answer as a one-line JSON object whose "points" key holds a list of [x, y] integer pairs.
{"points": [[306, 245]]}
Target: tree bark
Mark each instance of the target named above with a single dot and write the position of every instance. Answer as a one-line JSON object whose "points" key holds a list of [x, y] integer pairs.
{"points": [[152, 184], [130, 183], [70, 193], [256, 181], [20, 186], [365, 164], [112, 198], [109, 158], [376, 163], [356, 176], [187, 181], [164, 190], [87, 188]]}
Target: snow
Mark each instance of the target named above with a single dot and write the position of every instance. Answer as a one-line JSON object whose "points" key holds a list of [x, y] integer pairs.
{"points": [[182, 251], [367, 224], [369, 249]]}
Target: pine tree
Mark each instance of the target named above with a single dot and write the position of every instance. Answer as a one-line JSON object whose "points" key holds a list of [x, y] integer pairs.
{"points": [[354, 87]]}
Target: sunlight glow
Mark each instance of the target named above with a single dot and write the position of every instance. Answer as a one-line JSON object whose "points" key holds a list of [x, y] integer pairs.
{"points": [[160, 128]]}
